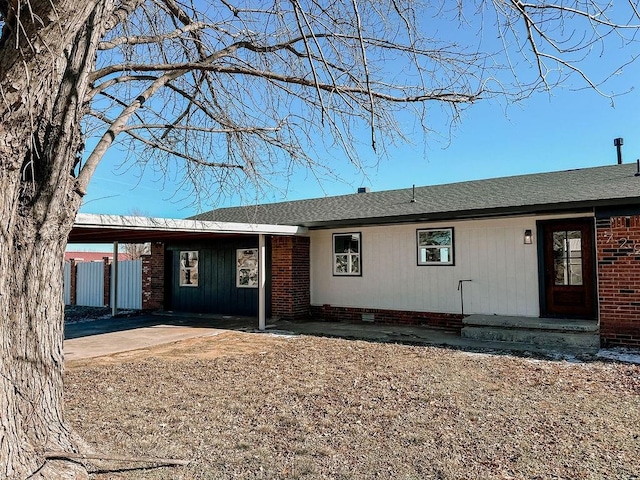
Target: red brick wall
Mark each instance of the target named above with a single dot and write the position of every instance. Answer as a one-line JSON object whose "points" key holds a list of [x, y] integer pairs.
{"points": [[73, 282], [445, 321], [153, 278], [106, 273], [618, 250], [290, 277]]}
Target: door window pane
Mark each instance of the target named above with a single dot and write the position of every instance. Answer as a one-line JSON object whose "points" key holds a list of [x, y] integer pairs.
{"points": [[567, 257], [559, 239], [560, 271], [574, 240], [576, 271]]}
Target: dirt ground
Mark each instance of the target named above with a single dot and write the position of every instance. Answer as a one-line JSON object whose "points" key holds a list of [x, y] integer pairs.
{"points": [[258, 406]]}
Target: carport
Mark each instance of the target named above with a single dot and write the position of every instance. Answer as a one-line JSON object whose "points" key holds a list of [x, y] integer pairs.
{"points": [[97, 228]]}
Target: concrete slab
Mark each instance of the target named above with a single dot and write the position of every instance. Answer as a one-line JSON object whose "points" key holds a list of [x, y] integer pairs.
{"points": [[573, 335], [419, 335], [113, 335], [533, 323]]}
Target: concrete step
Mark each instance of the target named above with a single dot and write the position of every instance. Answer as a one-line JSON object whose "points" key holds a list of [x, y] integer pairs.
{"points": [[568, 335]]}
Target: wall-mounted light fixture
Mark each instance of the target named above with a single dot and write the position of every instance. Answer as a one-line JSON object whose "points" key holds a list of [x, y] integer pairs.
{"points": [[528, 237]]}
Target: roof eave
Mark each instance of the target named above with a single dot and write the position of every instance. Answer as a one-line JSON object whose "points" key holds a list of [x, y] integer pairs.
{"points": [[559, 208], [154, 228]]}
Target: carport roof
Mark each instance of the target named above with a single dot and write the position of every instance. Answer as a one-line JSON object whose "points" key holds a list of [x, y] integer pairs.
{"points": [[96, 228]]}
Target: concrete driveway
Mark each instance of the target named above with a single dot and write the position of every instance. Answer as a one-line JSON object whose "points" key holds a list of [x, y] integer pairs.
{"points": [[100, 337], [107, 336]]}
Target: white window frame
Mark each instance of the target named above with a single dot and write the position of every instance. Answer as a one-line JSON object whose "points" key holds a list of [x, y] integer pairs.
{"points": [[249, 264], [189, 261], [350, 255], [425, 247]]}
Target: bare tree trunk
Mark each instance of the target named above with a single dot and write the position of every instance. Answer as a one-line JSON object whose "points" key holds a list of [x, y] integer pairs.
{"points": [[44, 79], [31, 403]]}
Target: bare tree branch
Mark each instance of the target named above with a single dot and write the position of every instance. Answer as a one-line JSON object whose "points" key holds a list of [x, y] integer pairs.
{"points": [[324, 62], [140, 40], [238, 70]]}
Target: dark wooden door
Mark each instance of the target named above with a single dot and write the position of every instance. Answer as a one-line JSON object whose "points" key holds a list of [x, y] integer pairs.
{"points": [[569, 278]]}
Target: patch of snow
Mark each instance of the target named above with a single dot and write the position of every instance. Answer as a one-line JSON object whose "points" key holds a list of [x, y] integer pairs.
{"points": [[626, 355], [283, 333]]}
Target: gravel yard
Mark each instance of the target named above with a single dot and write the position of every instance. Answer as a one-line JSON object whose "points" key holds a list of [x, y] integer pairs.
{"points": [[256, 406]]}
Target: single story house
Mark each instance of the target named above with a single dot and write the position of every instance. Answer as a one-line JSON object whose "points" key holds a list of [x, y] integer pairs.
{"points": [[554, 245]]}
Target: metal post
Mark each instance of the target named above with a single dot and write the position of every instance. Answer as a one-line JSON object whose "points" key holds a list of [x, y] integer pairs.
{"points": [[114, 281], [262, 281], [460, 289]]}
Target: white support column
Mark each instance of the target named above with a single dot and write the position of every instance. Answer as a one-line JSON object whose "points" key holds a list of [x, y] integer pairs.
{"points": [[114, 281], [262, 281]]}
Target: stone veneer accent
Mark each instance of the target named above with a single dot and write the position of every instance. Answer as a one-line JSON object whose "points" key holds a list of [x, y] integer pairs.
{"points": [[290, 277], [153, 278], [618, 253], [444, 321]]}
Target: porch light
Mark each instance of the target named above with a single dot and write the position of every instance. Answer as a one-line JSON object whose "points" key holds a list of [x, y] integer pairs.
{"points": [[528, 237]]}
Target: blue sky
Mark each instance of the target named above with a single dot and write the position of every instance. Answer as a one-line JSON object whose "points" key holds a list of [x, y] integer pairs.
{"points": [[557, 131], [563, 129]]}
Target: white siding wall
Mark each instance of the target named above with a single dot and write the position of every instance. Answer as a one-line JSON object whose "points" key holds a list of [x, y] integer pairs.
{"points": [[504, 271], [129, 284], [90, 284]]}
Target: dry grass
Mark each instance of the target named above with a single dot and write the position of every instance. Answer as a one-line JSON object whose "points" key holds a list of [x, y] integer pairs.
{"points": [[257, 406]]}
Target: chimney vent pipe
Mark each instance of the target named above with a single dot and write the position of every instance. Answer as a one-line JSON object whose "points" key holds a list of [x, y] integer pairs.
{"points": [[617, 142]]}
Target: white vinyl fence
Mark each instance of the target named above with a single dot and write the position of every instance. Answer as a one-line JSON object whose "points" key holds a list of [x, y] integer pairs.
{"points": [[129, 284], [90, 284]]}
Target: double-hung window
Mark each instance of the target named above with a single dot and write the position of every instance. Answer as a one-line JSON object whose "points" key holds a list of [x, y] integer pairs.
{"points": [[435, 246], [346, 254]]}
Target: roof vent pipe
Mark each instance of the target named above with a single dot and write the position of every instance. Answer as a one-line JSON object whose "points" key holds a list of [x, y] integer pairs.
{"points": [[617, 142], [413, 195]]}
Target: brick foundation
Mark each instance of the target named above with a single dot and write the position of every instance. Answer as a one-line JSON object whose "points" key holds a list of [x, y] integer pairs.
{"points": [[153, 278], [444, 321], [618, 251], [290, 277]]}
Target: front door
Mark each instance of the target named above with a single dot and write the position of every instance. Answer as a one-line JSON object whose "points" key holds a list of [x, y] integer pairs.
{"points": [[568, 273]]}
